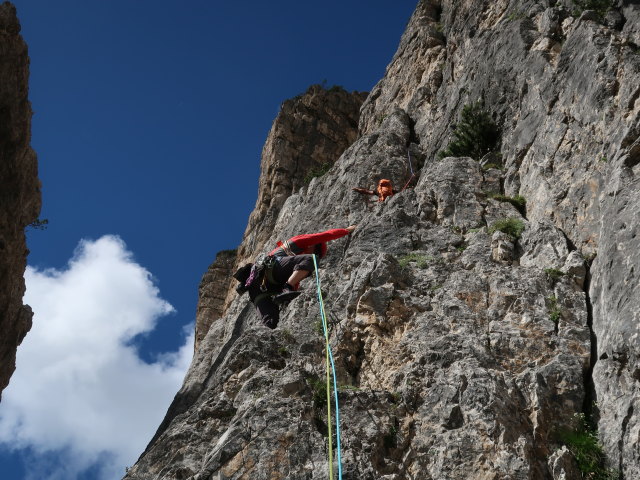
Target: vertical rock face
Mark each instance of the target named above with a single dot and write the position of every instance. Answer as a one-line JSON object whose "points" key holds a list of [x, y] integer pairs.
{"points": [[308, 135], [19, 188], [566, 91], [462, 351], [310, 131], [212, 292]]}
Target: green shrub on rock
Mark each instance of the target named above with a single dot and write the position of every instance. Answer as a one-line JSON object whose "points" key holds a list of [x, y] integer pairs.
{"points": [[510, 226], [554, 274], [39, 224], [601, 7], [518, 201], [583, 443], [337, 89], [554, 311], [474, 136], [318, 171]]}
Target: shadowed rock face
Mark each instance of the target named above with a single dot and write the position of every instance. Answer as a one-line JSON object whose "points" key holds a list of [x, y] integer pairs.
{"points": [[461, 351], [19, 188], [212, 296]]}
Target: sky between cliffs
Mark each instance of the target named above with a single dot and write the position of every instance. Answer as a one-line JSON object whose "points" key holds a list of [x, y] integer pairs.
{"points": [[149, 120]]}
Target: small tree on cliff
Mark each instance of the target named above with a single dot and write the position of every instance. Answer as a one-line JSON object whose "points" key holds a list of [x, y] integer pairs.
{"points": [[474, 136]]}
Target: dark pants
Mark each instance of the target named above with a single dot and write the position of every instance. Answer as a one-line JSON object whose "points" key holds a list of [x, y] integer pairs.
{"points": [[268, 311]]}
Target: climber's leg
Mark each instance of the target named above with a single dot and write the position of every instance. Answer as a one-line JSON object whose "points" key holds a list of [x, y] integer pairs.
{"points": [[268, 312], [293, 269], [297, 276]]}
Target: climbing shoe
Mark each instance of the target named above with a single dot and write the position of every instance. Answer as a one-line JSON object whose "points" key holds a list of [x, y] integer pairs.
{"points": [[285, 296]]}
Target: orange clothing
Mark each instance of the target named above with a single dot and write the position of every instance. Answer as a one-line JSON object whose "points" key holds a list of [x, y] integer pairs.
{"points": [[383, 190]]}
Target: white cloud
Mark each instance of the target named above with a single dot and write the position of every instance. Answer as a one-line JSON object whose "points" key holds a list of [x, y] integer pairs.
{"points": [[81, 396]]}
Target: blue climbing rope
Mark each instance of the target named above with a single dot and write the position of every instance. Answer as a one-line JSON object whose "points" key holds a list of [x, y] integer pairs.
{"points": [[335, 384]]}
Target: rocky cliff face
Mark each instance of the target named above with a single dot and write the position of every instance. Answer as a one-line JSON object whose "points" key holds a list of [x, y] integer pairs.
{"points": [[307, 137], [462, 351], [19, 188]]}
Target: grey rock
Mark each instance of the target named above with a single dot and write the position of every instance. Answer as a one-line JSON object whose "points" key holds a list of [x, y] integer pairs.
{"points": [[549, 23], [502, 248], [563, 465], [211, 298], [544, 246], [631, 13], [574, 266], [456, 202], [434, 354], [454, 363]]}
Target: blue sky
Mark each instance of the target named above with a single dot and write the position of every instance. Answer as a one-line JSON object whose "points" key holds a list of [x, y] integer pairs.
{"points": [[149, 119]]}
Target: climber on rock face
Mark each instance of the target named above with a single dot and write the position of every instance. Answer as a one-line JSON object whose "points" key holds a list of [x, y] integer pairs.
{"points": [[290, 262], [384, 190]]}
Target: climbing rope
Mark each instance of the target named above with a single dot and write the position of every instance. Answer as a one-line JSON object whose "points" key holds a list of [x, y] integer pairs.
{"points": [[411, 169], [329, 361]]}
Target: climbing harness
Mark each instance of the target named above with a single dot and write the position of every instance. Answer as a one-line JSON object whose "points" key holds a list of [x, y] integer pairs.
{"points": [[262, 273], [259, 273], [287, 248], [329, 362], [411, 169]]}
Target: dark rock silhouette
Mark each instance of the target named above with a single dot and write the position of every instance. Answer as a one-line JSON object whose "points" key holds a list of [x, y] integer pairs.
{"points": [[19, 188]]}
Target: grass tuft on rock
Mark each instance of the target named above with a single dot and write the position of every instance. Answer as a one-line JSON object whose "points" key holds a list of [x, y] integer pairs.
{"points": [[554, 274], [601, 7], [318, 391], [419, 259], [554, 311], [490, 165], [582, 442], [390, 439], [317, 171], [518, 201], [511, 226]]}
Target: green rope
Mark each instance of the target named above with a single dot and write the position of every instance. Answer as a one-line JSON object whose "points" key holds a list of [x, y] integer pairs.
{"points": [[329, 361]]}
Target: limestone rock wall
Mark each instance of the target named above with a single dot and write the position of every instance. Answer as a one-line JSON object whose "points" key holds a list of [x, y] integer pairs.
{"points": [[461, 352], [19, 188], [312, 129], [212, 292], [565, 90], [310, 132], [449, 364]]}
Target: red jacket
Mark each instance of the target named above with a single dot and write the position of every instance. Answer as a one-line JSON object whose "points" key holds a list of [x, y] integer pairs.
{"points": [[306, 243]]}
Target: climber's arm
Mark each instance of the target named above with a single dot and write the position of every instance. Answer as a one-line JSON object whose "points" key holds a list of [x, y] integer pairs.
{"points": [[304, 241]]}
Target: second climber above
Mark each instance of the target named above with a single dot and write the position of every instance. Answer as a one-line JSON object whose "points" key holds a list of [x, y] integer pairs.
{"points": [[384, 190]]}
